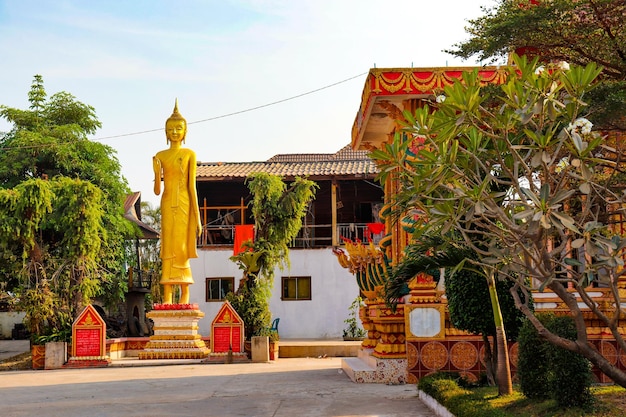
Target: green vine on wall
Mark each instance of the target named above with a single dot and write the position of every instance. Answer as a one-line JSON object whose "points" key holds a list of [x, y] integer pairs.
{"points": [[278, 211]]}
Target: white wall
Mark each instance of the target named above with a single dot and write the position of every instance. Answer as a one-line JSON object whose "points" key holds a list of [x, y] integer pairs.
{"points": [[333, 289], [8, 319]]}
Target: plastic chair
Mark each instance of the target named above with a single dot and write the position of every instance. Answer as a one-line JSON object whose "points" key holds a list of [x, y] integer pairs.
{"points": [[273, 331], [274, 327]]}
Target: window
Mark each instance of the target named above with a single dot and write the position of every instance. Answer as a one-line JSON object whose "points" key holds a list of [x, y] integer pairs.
{"points": [[217, 288], [296, 288]]}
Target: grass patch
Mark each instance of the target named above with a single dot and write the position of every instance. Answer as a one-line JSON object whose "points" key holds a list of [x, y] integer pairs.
{"points": [[610, 401], [464, 399]]}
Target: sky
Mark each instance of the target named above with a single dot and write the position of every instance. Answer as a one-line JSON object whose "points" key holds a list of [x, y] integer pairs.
{"points": [[253, 78]]}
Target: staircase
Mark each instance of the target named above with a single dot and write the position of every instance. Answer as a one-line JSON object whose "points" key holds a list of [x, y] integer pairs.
{"points": [[366, 368]]}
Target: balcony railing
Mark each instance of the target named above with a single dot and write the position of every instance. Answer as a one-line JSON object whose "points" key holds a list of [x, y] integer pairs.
{"points": [[310, 236]]}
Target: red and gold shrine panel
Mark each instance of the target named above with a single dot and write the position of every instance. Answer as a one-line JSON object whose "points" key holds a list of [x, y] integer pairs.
{"points": [[465, 357]]}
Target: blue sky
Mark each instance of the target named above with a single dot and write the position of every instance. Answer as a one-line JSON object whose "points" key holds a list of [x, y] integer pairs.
{"points": [[131, 59]]}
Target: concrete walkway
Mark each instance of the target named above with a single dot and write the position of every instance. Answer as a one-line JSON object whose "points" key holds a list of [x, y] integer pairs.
{"points": [[9, 348], [302, 387]]}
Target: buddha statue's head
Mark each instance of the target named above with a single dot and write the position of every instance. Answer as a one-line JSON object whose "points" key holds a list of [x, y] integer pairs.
{"points": [[175, 126]]}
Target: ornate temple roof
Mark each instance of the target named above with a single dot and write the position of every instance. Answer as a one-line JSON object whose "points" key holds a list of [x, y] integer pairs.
{"points": [[390, 91], [344, 163]]}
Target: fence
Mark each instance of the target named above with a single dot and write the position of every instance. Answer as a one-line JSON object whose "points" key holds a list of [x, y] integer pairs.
{"points": [[310, 236]]}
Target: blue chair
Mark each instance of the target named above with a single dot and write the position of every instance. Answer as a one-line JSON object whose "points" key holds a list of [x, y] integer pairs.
{"points": [[275, 325], [274, 329]]}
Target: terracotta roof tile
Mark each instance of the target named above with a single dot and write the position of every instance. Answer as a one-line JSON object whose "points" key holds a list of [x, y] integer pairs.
{"points": [[345, 162]]}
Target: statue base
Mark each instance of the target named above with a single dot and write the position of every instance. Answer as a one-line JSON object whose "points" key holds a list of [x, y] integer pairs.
{"points": [[88, 362], [228, 357], [175, 333]]}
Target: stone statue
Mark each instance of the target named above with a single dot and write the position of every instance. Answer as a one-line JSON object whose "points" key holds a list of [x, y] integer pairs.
{"points": [[180, 216]]}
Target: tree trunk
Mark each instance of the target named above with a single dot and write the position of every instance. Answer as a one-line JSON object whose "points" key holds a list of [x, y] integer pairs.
{"points": [[489, 361], [582, 345], [503, 375]]}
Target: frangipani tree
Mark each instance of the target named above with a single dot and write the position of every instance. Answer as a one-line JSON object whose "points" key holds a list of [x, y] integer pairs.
{"points": [[522, 177]]}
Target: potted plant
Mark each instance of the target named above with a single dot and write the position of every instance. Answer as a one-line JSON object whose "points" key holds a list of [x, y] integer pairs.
{"points": [[274, 337], [46, 321], [353, 331]]}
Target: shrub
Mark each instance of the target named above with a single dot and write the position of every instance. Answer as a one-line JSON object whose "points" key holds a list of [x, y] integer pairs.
{"points": [[548, 371], [532, 363], [570, 373], [441, 385]]}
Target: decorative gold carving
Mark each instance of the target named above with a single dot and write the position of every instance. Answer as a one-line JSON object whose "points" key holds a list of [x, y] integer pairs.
{"points": [[368, 263], [434, 355], [176, 337], [394, 112], [622, 357], [227, 318], [514, 354], [423, 289], [183, 326], [89, 320], [463, 355], [608, 351], [412, 356]]}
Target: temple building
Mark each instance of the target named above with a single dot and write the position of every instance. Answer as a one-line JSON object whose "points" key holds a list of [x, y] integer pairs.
{"points": [[312, 296], [418, 339]]}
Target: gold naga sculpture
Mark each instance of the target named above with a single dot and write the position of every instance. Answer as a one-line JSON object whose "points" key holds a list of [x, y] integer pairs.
{"points": [[180, 215], [367, 262]]}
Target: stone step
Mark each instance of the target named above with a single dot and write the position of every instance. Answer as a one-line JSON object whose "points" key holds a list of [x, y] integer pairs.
{"points": [[369, 369], [357, 370], [304, 348]]}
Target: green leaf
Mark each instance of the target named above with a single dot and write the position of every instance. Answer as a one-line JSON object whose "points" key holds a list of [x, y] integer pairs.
{"points": [[565, 220], [577, 141], [572, 262], [585, 188]]}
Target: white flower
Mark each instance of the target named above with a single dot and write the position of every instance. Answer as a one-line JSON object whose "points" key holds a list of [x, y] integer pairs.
{"points": [[563, 65], [539, 70], [581, 125], [563, 163], [440, 98]]}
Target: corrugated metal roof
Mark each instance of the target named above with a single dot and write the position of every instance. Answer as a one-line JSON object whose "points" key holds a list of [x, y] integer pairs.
{"points": [[345, 162]]}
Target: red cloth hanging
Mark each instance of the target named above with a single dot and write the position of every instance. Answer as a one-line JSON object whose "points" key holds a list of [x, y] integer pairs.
{"points": [[243, 233], [376, 228]]}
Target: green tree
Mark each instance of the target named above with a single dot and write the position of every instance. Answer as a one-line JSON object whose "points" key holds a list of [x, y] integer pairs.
{"points": [[468, 289], [278, 211], [576, 31], [62, 226], [547, 223]]}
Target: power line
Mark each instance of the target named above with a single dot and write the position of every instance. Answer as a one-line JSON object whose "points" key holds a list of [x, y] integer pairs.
{"points": [[241, 111], [205, 120]]}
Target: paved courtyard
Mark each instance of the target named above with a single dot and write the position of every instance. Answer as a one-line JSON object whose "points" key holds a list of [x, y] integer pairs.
{"points": [[285, 388]]}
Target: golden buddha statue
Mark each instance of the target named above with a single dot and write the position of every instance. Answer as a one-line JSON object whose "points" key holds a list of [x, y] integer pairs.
{"points": [[180, 216]]}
